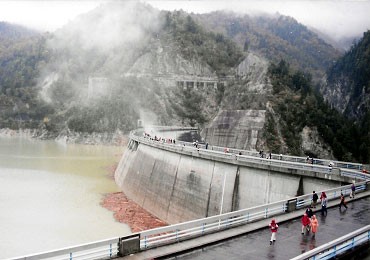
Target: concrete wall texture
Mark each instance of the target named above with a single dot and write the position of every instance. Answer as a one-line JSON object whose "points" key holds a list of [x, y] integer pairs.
{"points": [[178, 187]]}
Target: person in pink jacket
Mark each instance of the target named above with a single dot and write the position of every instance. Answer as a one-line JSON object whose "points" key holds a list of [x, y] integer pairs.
{"points": [[273, 227], [314, 225]]}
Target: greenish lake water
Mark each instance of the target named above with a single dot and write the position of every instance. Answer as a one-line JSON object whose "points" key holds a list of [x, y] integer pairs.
{"points": [[50, 195]]}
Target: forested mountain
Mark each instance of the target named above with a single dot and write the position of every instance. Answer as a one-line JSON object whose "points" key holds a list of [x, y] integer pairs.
{"points": [[301, 109], [22, 54], [177, 68], [348, 88], [13, 32], [275, 37]]}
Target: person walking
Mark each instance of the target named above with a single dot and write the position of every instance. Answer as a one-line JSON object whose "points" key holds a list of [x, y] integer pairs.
{"points": [[342, 201], [309, 212], [273, 227], [314, 225], [314, 199], [306, 221], [324, 202], [323, 195], [353, 190]]}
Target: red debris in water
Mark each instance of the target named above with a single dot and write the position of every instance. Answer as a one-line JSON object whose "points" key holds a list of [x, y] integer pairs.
{"points": [[128, 212]]}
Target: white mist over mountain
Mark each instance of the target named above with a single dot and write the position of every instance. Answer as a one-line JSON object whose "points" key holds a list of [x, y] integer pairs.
{"points": [[98, 44], [339, 19]]}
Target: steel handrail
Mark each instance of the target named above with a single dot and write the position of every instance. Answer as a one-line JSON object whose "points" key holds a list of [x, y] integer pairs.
{"points": [[172, 233], [188, 147], [339, 164], [103, 249], [338, 246]]}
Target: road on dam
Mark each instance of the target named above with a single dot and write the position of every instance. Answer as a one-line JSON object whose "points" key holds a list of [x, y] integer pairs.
{"points": [[290, 242]]}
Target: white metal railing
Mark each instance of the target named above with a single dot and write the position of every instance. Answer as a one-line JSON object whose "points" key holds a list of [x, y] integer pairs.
{"points": [[96, 250], [297, 159], [174, 233], [191, 229], [339, 246], [186, 147]]}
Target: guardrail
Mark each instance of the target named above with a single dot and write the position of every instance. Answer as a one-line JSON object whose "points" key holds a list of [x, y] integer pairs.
{"points": [[339, 246], [96, 250], [297, 159], [174, 233], [186, 147]]}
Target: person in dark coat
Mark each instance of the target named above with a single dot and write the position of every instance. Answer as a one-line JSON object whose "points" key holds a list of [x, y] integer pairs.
{"points": [[315, 198]]}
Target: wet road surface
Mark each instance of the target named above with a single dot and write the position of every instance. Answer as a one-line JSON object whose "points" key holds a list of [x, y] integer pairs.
{"points": [[290, 242]]}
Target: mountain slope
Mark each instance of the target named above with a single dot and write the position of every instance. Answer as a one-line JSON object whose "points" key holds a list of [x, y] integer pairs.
{"points": [[212, 71], [348, 81], [275, 37], [348, 89]]}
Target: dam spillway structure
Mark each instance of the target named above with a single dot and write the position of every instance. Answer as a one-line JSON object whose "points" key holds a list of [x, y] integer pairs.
{"points": [[178, 182]]}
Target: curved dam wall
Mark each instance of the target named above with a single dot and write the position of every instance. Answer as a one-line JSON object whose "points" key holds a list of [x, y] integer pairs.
{"points": [[178, 187]]}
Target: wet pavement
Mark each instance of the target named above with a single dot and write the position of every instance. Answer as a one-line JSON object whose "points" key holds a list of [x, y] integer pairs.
{"points": [[290, 242]]}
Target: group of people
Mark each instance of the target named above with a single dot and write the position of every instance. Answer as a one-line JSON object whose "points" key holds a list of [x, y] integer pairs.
{"points": [[309, 220], [159, 139], [265, 155], [309, 160]]}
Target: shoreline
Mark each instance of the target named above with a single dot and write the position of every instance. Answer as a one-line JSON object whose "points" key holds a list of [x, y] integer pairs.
{"points": [[116, 138], [127, 211]]}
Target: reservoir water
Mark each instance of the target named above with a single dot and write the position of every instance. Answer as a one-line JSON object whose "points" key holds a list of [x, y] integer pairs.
{"points": [[50, 195]]}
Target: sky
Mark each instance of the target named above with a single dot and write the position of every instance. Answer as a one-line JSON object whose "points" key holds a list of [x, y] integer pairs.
{"points": [[338, 18]]}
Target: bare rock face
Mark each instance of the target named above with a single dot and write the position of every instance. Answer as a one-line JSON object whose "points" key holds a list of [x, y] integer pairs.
{"points": [[337, 94], [254, 69], [312, 143], [240, 123], [235, 128], [163, 63]]}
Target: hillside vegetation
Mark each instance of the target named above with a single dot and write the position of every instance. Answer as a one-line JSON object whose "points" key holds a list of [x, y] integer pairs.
{"points": [[299, 106], [348, 89], [275, 37], [141, 54], [22, 54]]}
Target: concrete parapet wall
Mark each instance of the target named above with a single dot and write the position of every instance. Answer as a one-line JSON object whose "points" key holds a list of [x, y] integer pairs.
{"points": [[178, 185]]}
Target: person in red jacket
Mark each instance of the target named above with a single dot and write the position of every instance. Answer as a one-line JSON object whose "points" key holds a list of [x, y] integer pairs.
{"points": [[306, 222], [273, 227]]}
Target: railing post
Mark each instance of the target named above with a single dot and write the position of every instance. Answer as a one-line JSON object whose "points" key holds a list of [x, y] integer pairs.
{"points": [[129, 245], [291, 205]]}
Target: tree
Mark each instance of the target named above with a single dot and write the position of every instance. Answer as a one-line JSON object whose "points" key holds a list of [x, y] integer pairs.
{"points": [[189, 106]]}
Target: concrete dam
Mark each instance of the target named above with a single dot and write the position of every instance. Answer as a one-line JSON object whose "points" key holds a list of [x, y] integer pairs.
{"points": [[179, 182]]}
